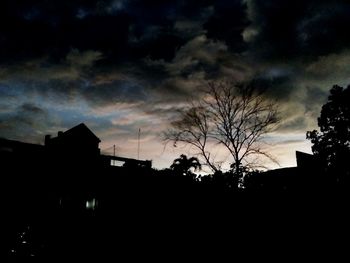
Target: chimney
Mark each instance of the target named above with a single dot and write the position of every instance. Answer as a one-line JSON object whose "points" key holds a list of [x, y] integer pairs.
{"points": [[47, 139], [59, 134]]}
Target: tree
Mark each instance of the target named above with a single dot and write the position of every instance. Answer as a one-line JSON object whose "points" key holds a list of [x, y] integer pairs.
{"points": [[231, 115], [332, 143], [183, 165]]}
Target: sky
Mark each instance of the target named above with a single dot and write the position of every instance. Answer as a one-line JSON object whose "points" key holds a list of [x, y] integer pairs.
{"points": [[124, 65]]}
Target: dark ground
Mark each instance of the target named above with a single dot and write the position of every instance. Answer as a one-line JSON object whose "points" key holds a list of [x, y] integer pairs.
{"points": [[150, 217]]}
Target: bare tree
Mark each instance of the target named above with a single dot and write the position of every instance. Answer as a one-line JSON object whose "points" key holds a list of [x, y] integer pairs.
{"points": [[232, 115]]}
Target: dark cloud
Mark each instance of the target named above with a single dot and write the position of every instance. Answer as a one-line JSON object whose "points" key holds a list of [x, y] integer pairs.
{"points": [[30, 39], [120, 29], [277, 83], [298, 29], [130, 30], [163, 46], [227, 24], [115, 91], [315, 95], [30, 109], [26, 122], [297, 123], [124, 34]]}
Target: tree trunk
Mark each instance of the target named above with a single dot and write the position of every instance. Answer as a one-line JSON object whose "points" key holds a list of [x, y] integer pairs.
{"points": [[237, 169]]}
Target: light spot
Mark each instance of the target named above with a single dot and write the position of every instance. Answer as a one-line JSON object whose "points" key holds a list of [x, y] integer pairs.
{"points": [[91, 204]]}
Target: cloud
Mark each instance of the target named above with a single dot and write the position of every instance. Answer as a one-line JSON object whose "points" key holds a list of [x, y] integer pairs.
{"points": [[116, 91], [116, 6], [297, 29], [228, 23], [119, 65], [199, 60], [75, 58], [331, 69], [278, 82], [38, 28], [199, 53], [26, 122], [287, 158], [73, 66]]}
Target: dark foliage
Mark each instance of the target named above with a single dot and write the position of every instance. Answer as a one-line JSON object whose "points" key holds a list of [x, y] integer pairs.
{"points": [[332, 143], [183, 165]]}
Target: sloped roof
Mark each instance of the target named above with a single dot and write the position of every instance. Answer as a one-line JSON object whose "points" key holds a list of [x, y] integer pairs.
{"points": [[81, 130]]}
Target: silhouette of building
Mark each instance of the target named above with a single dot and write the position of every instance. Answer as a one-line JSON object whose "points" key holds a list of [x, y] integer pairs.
{"points": [[79, 140], [307, 175], [19, 151], [78, 146], [69, 166]]}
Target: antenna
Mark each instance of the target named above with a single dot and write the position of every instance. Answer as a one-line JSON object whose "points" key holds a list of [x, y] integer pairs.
{"points": [[138, 145]]}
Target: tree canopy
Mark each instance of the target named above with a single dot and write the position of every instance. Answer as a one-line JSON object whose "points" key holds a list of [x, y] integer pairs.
{"points": [[331, 144], [183, 165]]}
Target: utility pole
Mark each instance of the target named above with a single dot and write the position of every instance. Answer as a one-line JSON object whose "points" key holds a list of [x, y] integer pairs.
{"points": [[114, 150], [138, 145]]}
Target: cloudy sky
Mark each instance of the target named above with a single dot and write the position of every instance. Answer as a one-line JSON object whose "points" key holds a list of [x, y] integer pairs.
{"points": [[121, 65]]}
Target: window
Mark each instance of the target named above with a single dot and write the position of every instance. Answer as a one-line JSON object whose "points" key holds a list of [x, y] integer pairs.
{"points": [[117, 163]]}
